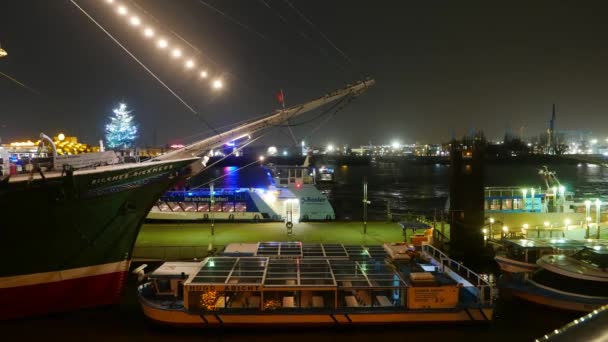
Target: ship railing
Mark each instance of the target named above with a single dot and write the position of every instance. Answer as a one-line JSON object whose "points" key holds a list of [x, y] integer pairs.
{"points": [[164, 253], [476, 284]]}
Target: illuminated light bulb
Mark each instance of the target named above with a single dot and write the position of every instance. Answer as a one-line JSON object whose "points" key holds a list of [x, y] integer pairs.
{"points": [[189, 64], [122, 10], [217, 84], [135, 21], [204, 74], [149, 32], [162, 43], [177, 53]]}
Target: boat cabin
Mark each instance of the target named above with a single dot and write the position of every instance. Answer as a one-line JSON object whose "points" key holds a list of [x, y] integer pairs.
{"points": [[304, 277]]}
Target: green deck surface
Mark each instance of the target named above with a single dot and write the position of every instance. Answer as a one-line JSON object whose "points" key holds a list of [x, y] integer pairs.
{"points": [[186, 241]]}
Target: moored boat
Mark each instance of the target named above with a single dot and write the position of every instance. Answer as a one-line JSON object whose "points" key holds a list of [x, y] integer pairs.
{"points": [[578, 282], [312, 284], [521, 255]]}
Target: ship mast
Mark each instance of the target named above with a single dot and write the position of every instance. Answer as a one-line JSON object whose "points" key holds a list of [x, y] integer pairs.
{"points": [[278, 117]]}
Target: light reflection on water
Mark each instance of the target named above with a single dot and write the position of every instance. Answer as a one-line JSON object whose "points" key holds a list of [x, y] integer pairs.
{"points": [[415, 188]]}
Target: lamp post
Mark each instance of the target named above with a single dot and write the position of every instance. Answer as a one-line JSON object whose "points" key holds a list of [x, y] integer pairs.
{"points": [[491, 231], [598, 205], [525, 229], [505, 230], [554, 198], [532, 197], [562, 192], [365, 203], [587, 218], [211, 202]]}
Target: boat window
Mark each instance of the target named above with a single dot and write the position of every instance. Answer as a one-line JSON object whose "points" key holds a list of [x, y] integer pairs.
{"points": [[507, 204], [240, 207], [228, 207], [571, 285], [163, 285], [589, 256], [517, 203]]}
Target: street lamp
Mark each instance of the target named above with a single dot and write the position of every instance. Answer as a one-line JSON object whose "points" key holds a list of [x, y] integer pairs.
{"points": [[525, 229], [598, 205], [587, 218], [532, 196], [491, 231], [505, 230]]}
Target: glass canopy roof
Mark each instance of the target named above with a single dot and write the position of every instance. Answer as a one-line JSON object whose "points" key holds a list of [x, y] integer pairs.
{"points": [[299, 272]]}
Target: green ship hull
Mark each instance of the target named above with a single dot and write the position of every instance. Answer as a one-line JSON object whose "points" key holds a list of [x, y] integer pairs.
{"points": [[67, 239]]}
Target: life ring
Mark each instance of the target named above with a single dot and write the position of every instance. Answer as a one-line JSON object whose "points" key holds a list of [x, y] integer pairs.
{"points": [[289, 225]]}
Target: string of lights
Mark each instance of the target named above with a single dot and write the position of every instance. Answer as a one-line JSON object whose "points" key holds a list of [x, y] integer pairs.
{"points": [[162, 43]]}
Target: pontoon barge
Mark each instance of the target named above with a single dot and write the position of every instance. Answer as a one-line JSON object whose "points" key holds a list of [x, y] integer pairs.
{"points": [[293, 283]]}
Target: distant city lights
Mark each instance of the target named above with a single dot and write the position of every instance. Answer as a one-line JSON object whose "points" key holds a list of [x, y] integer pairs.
{"points": [[395, 144], [330, 148]]}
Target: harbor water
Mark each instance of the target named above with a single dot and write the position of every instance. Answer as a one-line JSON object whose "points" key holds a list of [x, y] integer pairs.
{"points": [[409, 188]]}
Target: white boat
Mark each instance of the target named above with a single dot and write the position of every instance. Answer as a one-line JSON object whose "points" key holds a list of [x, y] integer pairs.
{"points": [[521, 255], [293, 197], [578, 282]]}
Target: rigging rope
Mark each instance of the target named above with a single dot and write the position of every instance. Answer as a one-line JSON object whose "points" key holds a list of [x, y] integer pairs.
{"points": [[320, 32], [23, 85]]}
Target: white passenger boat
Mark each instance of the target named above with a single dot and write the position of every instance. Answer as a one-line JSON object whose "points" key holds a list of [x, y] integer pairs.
{"points": [[578, 282]]}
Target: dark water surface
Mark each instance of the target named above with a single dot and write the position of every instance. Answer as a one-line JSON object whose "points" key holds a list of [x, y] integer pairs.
{"points": [[416, 188], [410, 188]]}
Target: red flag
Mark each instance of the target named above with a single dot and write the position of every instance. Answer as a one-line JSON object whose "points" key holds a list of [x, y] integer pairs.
{"points": [[280, 97]]}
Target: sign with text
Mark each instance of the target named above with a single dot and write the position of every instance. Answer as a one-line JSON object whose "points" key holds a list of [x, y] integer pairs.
{"points": [[432, 297]]}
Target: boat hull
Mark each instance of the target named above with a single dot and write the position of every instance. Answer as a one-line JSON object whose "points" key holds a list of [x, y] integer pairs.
{"points": [[514, 266], [72, 236], [257, 319], [67, 290], [525, 290]]}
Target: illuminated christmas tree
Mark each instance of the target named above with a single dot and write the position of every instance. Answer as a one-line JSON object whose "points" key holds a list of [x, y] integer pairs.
{"points": [[121, 132]]}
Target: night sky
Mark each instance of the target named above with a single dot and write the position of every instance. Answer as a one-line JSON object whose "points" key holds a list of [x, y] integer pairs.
{"points": [[440, 67]]}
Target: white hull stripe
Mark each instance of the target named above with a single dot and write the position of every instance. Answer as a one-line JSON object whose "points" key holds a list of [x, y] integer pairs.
{"points": [[55, 276]]}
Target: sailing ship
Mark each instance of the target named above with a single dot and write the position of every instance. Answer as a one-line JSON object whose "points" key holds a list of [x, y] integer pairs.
{"points": [[68, 231]]}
